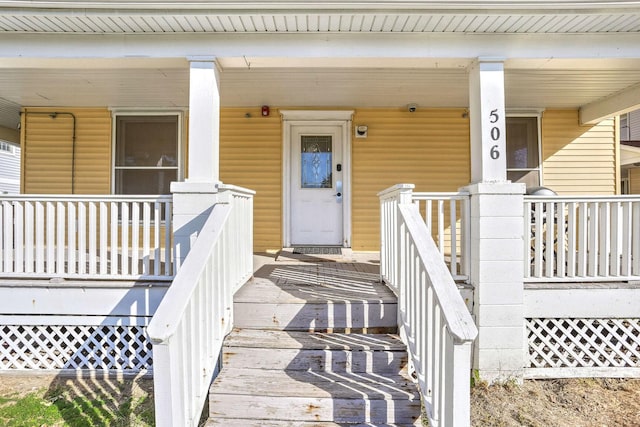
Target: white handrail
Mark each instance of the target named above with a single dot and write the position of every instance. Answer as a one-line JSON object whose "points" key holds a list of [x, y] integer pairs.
{"points": [[434, 322], [582, 238], [190, 324], [86, 236]]}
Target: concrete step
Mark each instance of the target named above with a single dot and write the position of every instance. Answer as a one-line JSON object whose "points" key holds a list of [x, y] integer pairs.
{"points": [[290, 350], [308, 396]]}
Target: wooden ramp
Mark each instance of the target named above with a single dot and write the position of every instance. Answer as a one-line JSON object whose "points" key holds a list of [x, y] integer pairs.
{"points": [[314, 345]]}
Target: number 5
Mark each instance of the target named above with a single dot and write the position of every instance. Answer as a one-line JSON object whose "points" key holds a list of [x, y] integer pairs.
{"points": [[493, 116]]}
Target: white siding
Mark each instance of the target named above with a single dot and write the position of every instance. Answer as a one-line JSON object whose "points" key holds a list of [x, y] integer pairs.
{"points": [[633, 122], [10, 170]]}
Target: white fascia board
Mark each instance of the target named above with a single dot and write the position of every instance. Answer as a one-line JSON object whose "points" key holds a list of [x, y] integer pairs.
{"points": [[335, 5], [620, 103], [318, 45]]}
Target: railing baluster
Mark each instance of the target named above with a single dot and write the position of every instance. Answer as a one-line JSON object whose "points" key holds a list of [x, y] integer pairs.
{"points": [[71, 238], [604, 242], [40, 226], [539, 235], [571, 240], [441, 227], [61, 236], [50, 229], [135, 236], [104, 235], [616, 243], [82, 237], [93, 237], [114, 243], [8, 236], [124, 232], [18, 237], [592, 245], [146, 237], [168, 231], [627, 229], [550, 237], [635, 250], [583, 249], [454, 237], [29, 247], [560, 240], [157, 214]]}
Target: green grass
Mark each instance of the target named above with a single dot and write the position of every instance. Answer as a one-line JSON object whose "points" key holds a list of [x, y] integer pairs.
{"points": [[80, 403]]}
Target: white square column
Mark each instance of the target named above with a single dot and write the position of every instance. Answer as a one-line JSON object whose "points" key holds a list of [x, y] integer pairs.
{"points": [[204, 122], [497, 227], [487, 120], [194, 198]]}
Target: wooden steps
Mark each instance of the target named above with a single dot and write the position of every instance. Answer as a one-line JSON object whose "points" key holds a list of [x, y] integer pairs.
{"points": [[285, 364]]}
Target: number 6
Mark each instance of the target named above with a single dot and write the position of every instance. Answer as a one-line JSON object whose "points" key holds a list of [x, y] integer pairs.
{"points": [[494, 153]]}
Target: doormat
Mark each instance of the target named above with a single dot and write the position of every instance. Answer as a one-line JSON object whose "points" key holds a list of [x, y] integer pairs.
{"points": [[318, 250]]}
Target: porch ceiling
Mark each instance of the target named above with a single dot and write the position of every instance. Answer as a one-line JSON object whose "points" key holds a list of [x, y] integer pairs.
{"points": [[305, 83], [290, 16]]}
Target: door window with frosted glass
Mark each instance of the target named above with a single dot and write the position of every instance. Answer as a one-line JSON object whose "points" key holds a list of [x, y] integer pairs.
{"points": [[316, 161]]}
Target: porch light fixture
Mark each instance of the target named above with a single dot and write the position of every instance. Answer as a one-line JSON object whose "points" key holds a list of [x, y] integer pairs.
{"points": [[361, 131]]}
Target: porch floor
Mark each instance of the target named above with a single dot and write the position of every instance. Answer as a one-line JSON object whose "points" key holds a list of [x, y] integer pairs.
{"points": [[315, 344]]}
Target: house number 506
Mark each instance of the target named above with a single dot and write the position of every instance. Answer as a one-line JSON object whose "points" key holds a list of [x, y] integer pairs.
{"points": [[495, 134]]}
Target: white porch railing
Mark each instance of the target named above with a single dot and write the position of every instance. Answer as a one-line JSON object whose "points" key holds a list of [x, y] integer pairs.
{"points": [[582, 238], [447, 216], [188, 328], [434, 322], [86, 236]]}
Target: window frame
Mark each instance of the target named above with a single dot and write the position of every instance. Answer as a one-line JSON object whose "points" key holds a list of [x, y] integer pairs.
{"points": [[528, 113], [115, 113]]}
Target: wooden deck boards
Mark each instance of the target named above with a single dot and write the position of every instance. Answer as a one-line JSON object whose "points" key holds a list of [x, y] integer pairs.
{"points": [[285, 363]]}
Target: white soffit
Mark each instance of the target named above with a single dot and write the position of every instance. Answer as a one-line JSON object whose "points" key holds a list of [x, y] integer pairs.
{"points": [[241, 16]]}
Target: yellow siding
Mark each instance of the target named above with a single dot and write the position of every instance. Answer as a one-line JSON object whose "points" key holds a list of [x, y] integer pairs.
{"points": [[47, 151], [429, 148], [578, 159], [251, 157], [634, 181]]}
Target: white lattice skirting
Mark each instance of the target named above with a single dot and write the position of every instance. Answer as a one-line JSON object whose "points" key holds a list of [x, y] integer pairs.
{"points": [[103, 347], [583, 343]]}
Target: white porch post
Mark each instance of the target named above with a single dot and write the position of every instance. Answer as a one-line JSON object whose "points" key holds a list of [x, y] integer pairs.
{"points": [[496, 232], [193, 199]]}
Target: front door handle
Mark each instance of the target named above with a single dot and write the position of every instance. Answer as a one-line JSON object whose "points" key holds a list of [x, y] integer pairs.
{"points": [[339, 191]]}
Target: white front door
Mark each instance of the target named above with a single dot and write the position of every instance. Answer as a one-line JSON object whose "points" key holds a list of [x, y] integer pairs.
{"points": [[317, 185]]}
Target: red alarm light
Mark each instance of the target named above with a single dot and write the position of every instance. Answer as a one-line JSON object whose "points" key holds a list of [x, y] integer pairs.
{"points": [[265, 110]]}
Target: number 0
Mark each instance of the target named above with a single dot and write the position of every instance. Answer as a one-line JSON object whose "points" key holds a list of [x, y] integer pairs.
{"points": [[494, 153]]}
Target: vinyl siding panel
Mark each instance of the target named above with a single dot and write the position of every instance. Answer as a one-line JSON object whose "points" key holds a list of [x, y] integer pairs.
{"points": [[10, 171], [48, 151], [251, 157], [578, 159], [429, 148], [634, 181], [634, 125]]}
